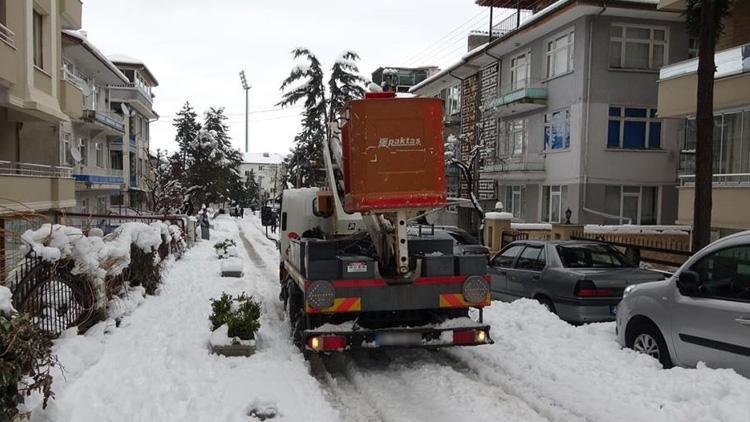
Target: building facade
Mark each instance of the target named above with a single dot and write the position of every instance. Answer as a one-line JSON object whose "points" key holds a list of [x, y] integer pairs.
{"points": [[134, 101], [33, 172], [564, 109], [731, 141], [268, 170], [90, 139]]}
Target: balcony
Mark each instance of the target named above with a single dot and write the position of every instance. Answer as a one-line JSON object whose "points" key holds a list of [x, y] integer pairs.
{"points": [[517, 168], [109, 121], [730, 196], [678, 83], [136, 97], [517, 101], [116, 144], [71, 11], [8, 61], [35, 187], [100, 178], [71, 100]]}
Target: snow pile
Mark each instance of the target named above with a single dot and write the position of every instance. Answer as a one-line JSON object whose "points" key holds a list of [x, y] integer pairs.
{"points": [[531, 226], [6, 301], [636, 229], [498, 216], [553, 365], [220, 337]]}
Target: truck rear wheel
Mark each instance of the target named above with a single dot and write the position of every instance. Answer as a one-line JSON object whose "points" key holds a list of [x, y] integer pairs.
{"points": [[295, 313]]}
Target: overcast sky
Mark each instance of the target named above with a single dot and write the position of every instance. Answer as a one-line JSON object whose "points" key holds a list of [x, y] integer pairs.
{"points": [[196, 48]]}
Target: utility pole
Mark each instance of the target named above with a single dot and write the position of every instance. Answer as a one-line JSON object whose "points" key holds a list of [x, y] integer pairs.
{"points": [[246, 87]]}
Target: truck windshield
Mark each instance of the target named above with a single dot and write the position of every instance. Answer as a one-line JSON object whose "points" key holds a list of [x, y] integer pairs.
{"points": [[592, 256]]}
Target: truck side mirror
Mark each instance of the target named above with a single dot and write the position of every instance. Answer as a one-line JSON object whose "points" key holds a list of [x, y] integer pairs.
{"points": [[689, 283]]}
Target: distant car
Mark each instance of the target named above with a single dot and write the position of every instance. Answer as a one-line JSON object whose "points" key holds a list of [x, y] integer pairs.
{"points": [[700, 314], [579, 281], [463, 242]]}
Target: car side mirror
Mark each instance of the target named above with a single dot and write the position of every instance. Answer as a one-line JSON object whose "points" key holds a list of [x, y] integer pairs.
{"points": [[689, 283]]}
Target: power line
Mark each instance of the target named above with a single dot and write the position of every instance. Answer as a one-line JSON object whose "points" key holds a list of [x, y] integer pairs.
{"points": [[260, 111], [449, 45], [449, 34]]}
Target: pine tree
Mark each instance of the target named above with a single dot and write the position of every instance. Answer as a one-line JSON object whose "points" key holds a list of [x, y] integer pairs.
{"points": [[251, 190], [310, 90], [345, 83], [187, 126]]}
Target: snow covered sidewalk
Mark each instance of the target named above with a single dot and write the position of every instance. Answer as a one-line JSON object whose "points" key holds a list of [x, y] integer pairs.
{"points": [[156, 366]]}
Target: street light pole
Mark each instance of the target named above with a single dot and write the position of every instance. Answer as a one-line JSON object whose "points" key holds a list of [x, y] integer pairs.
{"points": [[246, 87]]}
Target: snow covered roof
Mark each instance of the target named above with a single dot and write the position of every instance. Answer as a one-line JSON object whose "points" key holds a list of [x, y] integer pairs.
{"points": [[263, 158], [129, 61], [81, 38]]}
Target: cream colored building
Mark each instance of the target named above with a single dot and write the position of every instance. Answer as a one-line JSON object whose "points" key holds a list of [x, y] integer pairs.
{"points": [[33, 174], [268, 170], [731, 143]]}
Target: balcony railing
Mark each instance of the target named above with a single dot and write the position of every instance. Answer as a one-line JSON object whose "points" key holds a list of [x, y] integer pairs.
{"points": [[109, 120], [146, 94], [7, 36], [729, 179], [12, 168], [508, 166]]}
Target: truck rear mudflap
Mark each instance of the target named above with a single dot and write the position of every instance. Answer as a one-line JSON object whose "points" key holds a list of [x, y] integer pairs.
{"points": [[337, 338]]}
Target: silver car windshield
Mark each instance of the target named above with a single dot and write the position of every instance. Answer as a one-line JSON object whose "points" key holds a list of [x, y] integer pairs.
{"points": [[592, 256]]}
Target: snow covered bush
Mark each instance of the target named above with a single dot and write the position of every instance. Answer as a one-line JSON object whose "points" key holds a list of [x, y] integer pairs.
{"points": [[226, 249], [240, 314], [25, 359]]}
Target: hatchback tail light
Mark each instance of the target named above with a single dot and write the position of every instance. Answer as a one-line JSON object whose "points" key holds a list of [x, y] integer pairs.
{"points": [[587, 288]]}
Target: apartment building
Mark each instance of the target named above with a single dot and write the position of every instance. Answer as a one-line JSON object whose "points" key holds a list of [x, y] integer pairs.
{"points": [[33, 171], [400, 79], [268, 169], [134, 100], [564, 107], [92, 139], [731, 141]]}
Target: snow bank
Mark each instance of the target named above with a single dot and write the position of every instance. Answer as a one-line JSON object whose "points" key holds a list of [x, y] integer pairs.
{"points": [[498, 216], [6, 303], [531, 226], [635, 229], [581, 373]]}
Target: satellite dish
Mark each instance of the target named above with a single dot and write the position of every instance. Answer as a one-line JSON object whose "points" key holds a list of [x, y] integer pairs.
{"points": [[75, 153], [85, 90], [124, 109]]}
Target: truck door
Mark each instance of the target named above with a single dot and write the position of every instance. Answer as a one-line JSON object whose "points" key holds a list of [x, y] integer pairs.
{"points": [[500, 269]]}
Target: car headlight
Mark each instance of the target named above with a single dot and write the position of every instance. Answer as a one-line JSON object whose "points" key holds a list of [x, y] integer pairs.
{"points": [[475, 289], [320, 294], [628, 290]]}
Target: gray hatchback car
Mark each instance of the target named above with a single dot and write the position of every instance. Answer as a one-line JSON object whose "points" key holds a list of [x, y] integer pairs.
{"points": [[579, 281], [701, 314]]}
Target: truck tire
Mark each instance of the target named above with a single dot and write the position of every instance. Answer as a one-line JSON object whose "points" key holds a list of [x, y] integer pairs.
{"points": [[295, 313]]}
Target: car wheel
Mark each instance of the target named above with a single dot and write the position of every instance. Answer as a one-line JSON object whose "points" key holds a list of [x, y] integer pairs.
{"points": [[547, 303], [645, 337]]}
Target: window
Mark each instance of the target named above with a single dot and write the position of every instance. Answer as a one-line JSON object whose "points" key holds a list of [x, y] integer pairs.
{"points": [[38, 40], [725, 274], [519, 71], [67, 145], [554, 203], [731, 144], [633, 128], [637, 47], [453, 101], [560, 55], [115, 159], [116, 200], [99, 155], [591, 256], [101, 204], [3, 19], [507, 257], [513, 200], [532, 258], [83, 148], [631, 204], [557, 130], [513, 138], [692, 47]]}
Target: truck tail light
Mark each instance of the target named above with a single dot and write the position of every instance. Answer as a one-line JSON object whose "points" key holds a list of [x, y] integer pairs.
{"points": [[587, 288], [469, 336], [327, 342]]}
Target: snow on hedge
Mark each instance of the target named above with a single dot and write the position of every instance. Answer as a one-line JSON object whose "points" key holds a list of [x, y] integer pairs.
{"points": [[6, 305], [94, 256]]}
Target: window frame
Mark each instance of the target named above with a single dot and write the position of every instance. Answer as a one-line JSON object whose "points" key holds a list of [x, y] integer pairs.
{"points": [[548, 127], [100, 161], [623, 40], [561, 189], [703, 295], [514, 70], [622, 119], [510, 128], [522, 246], [639, 195], [551, 47], [83, 149], [542, 253], [453, 100], [37, 31]]}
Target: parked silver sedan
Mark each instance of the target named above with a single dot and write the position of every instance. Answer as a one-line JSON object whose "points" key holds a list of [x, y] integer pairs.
{"points": [[579, 281], [701, 314]]}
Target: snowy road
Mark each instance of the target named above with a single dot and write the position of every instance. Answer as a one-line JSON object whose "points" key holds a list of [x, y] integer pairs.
{"points": [[156, 366]]}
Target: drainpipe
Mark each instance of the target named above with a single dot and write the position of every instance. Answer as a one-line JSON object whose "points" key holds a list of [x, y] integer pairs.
{"points": [[585, 167]]}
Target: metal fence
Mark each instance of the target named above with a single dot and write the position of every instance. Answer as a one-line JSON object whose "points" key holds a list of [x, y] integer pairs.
{"points": [[668, 253], [509, 237]]}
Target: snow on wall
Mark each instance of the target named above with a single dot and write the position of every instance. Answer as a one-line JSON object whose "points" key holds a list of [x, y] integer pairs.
{"points": [[634, 229]]}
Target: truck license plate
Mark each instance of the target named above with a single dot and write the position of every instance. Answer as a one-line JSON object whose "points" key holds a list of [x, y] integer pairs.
{"points": [[398, 339], [356, 267]]}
